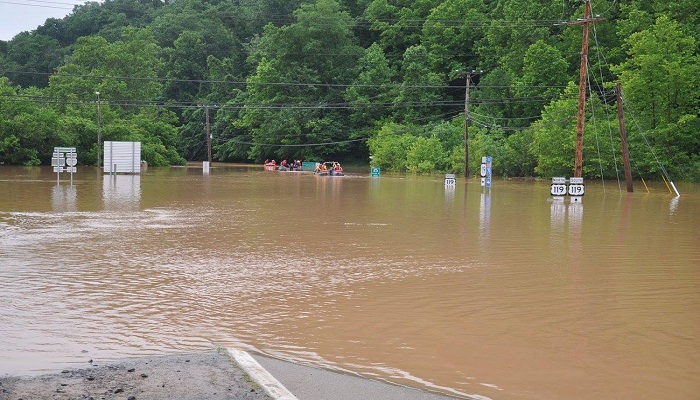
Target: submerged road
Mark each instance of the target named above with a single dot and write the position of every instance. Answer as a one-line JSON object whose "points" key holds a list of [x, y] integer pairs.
{"points": [[308, 383]]}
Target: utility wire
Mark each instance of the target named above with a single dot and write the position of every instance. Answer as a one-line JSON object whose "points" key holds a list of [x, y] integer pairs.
{"points": [[251, 83], [34, 5]]}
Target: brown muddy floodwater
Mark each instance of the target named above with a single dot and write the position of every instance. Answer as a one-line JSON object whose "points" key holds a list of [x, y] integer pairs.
{"points": [[500, 294]]}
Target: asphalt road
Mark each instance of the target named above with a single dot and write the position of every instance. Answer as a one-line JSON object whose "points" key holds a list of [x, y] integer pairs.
{"points": [[307, 383]]}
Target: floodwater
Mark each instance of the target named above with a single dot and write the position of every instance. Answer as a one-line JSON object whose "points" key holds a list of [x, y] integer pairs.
{"points": [[500, 293]]}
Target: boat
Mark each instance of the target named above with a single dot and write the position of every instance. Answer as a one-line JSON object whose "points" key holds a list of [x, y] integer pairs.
{"points": [[270, 165], [329, 168], [294, 166]]}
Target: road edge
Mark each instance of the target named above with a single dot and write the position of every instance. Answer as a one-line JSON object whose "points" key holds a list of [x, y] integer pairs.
{"points": [[261, 376]]}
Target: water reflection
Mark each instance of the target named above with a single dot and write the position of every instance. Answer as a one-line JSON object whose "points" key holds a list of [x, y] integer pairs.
{"points": [[557, 212], [121, 192], [382, 278], [563, 215], [485, 216], [63, 197], [673, 205], [450, 194]]}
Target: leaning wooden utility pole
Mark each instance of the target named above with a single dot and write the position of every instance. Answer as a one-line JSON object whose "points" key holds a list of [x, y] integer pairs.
{"points": [[623, 139], [578, 162]]}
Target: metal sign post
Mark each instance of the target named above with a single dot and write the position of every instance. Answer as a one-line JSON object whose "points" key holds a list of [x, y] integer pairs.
{"points": [[64, 159], [558, 186], [450, 180], [574, 188], [486, 170]]}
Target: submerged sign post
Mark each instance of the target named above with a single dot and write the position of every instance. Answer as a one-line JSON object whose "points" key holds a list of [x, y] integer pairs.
{"points": [[574, 188], [450, 180], [486, 171], [64, 159], [558, 186]]}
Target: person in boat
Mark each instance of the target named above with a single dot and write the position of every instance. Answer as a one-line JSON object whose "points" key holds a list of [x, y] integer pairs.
{"points": [[283, 163], [338, 168]]}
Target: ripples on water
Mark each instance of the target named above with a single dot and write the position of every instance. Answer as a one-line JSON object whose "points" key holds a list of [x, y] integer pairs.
{"points": [[502, 294]]}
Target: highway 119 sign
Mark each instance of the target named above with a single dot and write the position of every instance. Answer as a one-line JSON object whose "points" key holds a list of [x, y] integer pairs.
{"points": [[573, 187], [576, 187], [558, 186]]}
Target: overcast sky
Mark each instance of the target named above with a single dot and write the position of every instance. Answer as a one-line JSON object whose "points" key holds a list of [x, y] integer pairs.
{"points": [[26, 15]]}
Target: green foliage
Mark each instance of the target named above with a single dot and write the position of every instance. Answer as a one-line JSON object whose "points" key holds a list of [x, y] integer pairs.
{"points": [[544, 72], [34, 53], [124, 71], [554, 136], [373, 90], [398, 23], [446, 40], [345, 79], [660, 79], [426, 155], [390, 146], [282, 118], [419, 93]]}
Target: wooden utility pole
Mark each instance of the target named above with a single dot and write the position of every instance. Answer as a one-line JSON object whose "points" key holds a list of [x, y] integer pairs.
{"points": [[99, 131], [206, 111], [466, 125], [578, 162], [623, 139]]}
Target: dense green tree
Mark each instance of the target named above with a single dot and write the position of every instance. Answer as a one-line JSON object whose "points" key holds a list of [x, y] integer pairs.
{"points": [[420, 92], [515, 25], [30, 58], [124, 72], [322, 79], [291, 98], [390, 146], [450, 33], [398, 24], [542, 79], [28, 132], [660, 78], [372, 92], [554, 138], [426, 155]]}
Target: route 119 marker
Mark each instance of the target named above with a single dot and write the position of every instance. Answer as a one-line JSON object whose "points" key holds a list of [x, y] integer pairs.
{"points": [[558, 186], [576, 187], [450, 180]]}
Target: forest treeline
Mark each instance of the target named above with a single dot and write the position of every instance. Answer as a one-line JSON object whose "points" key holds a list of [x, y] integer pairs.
{"points": [[354, 79]]}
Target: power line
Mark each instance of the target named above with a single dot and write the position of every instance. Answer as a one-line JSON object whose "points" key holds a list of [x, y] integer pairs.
{"points": [[249, 83], [233, 140], [35, 5], [52, 2]]}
